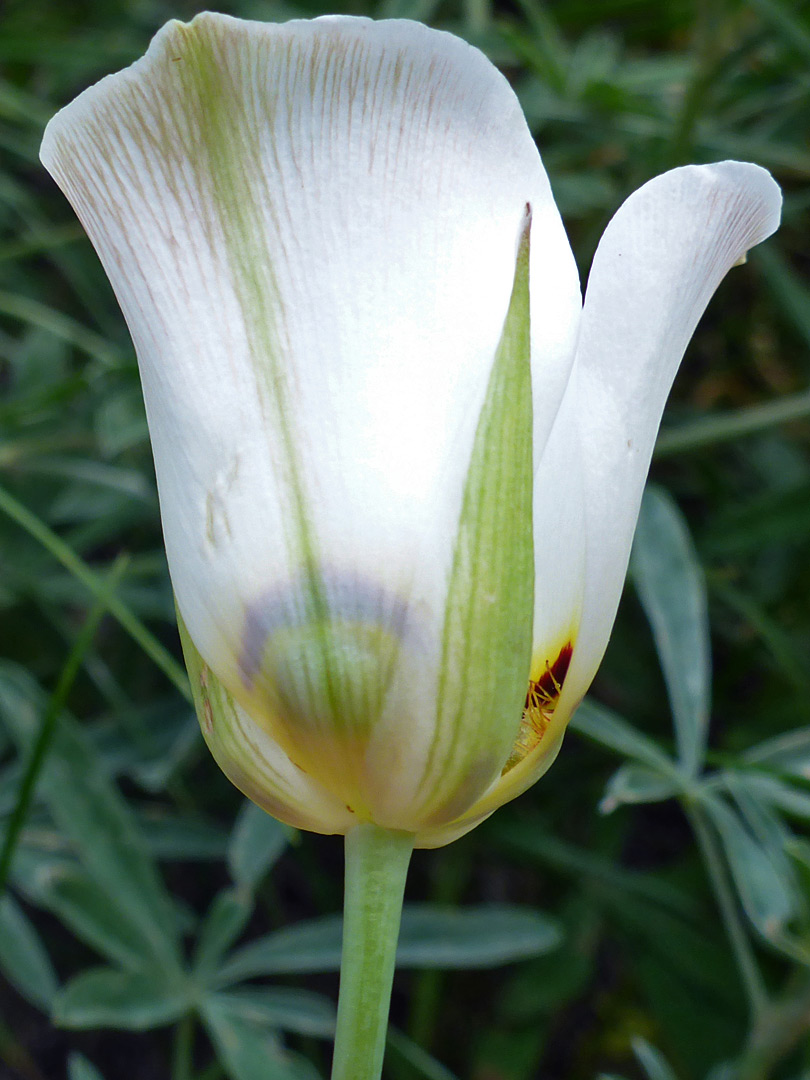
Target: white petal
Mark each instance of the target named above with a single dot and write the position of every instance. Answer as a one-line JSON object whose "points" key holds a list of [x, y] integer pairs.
{"points": [[311, 229], [253, 761], [658, 264], [559, 535]]}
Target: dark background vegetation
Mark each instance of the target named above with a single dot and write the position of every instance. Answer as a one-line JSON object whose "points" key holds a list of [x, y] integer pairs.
{"points": [[653, 921]]}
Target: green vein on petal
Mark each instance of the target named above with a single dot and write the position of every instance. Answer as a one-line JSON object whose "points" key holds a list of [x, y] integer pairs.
{"points": [[232, 137]]}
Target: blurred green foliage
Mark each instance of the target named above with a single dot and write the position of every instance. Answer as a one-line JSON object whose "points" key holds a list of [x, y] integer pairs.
{"points": [[654, 885]]}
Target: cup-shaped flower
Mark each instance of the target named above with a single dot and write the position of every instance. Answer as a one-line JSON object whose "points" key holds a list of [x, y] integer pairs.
{"points": [[399, 463]]}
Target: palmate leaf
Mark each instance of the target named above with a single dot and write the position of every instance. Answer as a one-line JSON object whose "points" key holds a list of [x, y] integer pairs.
{"points": [[62, 886], [89, 811]]}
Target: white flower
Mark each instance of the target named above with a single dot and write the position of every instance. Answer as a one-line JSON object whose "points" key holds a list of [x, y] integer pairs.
{"points": [[399, 463]]}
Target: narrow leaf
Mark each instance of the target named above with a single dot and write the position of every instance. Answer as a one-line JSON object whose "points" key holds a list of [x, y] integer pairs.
{"points": [[652, 1061], [223, 924], [672, 589], [130, 1000], [767, 899], [430, 937], [256, 843], [634, 783], [299, 1011], [606, 727], [250, 1052], [399, 1045], [23, 959], [79, 1068]]}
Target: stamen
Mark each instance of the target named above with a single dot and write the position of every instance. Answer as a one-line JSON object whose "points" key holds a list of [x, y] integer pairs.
{"points": [[541, 701]]}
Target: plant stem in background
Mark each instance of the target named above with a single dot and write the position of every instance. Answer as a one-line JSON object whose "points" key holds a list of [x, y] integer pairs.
{"points": [[183, 1050], [44, 738], [376, 867], [780, 1029], [723, 427], [57, 547], [451, 875]]}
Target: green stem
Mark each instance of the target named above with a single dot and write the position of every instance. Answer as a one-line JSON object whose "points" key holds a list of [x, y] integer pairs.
{"points": [[723, 427], [779, 1031], [61, 326], [183, 1051], [42, 742], [743, 953], [57, 547], [376, 867], [450, 878]]}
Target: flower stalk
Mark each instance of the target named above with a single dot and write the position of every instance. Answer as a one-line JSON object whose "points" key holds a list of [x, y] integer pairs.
{"points": [[376, 867]]}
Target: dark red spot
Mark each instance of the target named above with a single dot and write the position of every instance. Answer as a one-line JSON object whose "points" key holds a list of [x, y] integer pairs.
{"points": [[550, 682]]}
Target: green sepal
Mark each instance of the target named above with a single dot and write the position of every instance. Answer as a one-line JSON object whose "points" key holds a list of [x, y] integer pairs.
{"points": [[487, 640]]}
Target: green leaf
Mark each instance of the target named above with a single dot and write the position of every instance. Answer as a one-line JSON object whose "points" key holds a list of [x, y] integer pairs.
{"points": [[81, 573], [531, 839], [652, 1061], [672, 589], [399, 1045], [89, 810], [788, 753], [225, 921], [182, 836], [23, 959], [430, 937], [256, 843], [130, 1000], [65, 889], [606, 727], [634, 783], [487, 636], [768, 900], [781, 18], [79, 1068], [299, 1011], [787, 288], [480, 937], [251, 1052], [792, 800]]}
